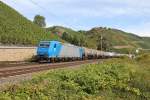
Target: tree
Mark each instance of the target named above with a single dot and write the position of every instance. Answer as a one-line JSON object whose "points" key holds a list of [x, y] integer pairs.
{"points": [[75, 40], [79, 40], [39, 20], [65, 36], [103, 43]]}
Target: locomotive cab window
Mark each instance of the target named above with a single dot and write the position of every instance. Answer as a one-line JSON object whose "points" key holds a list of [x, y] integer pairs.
{"points": [[46, 45]]}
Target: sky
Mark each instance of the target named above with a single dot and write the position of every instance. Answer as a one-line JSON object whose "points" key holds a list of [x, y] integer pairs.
{"points": [[127, 15]]}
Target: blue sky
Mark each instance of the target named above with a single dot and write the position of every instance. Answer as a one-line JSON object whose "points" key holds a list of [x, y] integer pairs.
{"points": [[128, 15]]}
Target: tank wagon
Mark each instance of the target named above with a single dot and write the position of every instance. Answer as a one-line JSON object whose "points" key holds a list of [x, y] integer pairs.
{"points": [[56, 51]]}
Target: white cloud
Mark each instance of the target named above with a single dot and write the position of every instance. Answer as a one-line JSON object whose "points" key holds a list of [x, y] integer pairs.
{"points": [[99, 7], [93, 8], [140, 29]]}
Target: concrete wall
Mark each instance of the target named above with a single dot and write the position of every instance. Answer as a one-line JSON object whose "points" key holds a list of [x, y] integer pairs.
{"points": [[16, 53]]}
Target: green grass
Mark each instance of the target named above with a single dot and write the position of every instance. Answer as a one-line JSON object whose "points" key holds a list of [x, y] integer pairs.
{"points": [[16, 29], [114, 79]]}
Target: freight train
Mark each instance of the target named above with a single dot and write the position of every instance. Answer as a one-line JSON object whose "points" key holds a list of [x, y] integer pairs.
{"points": [[57, 51]]}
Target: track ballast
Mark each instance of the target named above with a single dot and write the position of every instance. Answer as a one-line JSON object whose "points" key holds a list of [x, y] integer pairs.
{"points": [[19, 70]]}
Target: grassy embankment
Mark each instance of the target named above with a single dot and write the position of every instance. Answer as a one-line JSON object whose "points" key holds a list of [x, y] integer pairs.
{"points": [[15, 29], [113, 79]]}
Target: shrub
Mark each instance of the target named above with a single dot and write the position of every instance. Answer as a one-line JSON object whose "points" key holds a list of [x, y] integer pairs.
{"points": [[112, 79]]}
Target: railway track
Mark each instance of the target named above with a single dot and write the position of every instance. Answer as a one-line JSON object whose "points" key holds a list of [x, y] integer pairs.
{"points": [[19, 70]]}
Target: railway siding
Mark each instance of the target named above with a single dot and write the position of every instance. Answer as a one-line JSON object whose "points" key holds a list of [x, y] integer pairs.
{"points": [[12, 53]]}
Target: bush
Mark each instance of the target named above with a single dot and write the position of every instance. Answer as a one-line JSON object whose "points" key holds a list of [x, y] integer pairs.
{"points": [[117, 80]]}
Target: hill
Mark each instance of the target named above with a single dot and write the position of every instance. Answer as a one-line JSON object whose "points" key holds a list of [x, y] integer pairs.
{"points": [[146, 39], [118, 40], [16, 29], [72, 36]]}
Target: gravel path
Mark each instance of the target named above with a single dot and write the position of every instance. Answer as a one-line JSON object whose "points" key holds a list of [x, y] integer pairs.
{"points": [[14, 80]]}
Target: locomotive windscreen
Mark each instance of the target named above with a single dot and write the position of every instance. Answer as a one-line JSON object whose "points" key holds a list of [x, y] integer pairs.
{"points": [[44, 44]]}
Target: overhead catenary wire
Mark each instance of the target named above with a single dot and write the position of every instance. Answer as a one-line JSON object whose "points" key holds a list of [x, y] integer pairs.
{"points": [[35, 3], [39, 6], [42, 8], [13, 1]]}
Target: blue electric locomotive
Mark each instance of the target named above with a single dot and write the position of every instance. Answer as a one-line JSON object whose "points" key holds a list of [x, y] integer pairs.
{"points": [[54, 50]]}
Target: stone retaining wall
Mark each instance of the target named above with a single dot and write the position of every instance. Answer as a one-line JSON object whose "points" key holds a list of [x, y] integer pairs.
{"points": [[16, 53]]}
